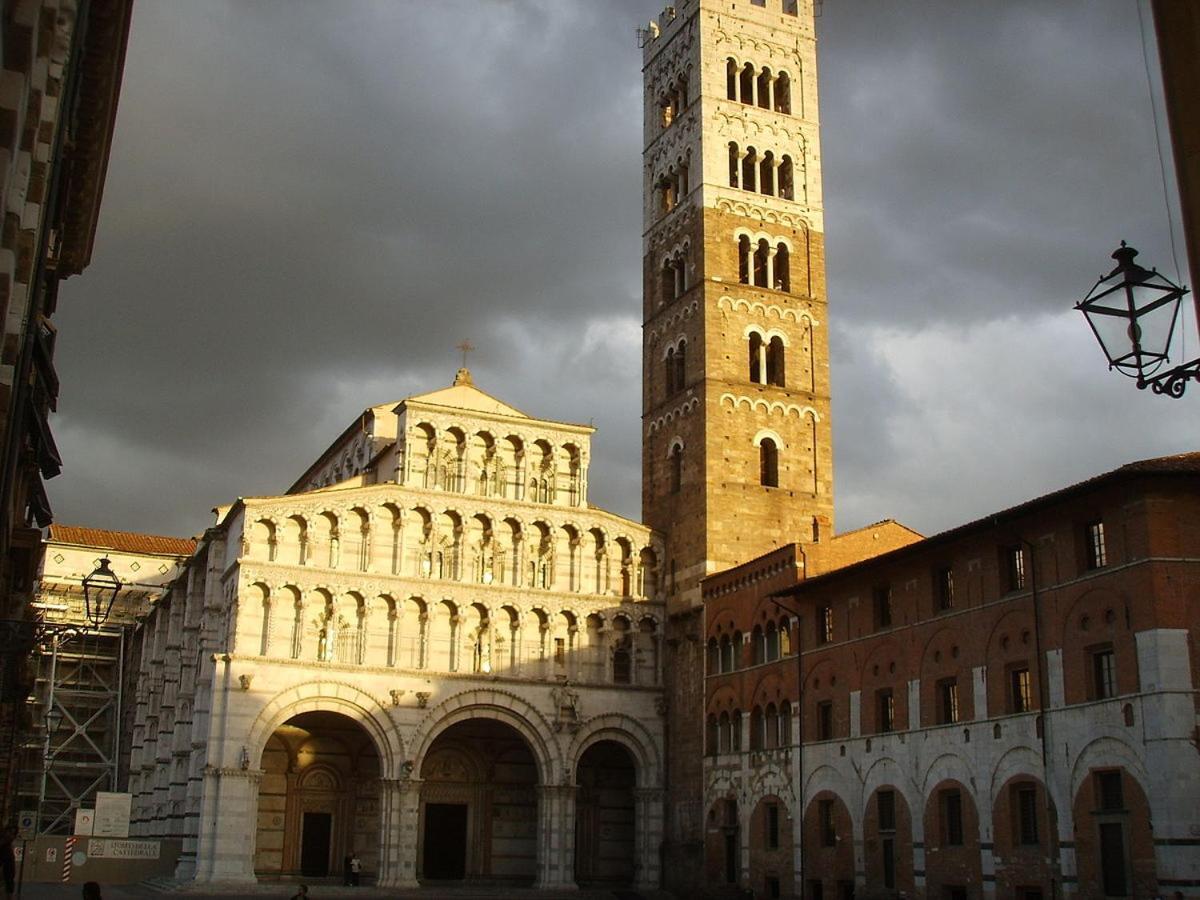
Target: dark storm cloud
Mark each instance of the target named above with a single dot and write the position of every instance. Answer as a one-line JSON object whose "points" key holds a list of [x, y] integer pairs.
{"points": [[308, 205]]}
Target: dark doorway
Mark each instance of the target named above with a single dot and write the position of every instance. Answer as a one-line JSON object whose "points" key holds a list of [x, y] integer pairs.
{"points": [[731, 855], [314, 843], [604, 815], [445, 841]]}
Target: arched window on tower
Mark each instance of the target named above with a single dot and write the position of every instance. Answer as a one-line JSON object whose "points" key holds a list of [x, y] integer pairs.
{"points": [[787, 187], [768, 463], [731, 79], [675, 464], [761, 256], [682, 181], [775, 362], [747, 83], [766, 173], [783, 94], [764, 88], [749, 168], [669, 371], [666, 193], [734, 164], [756, 354], [783, 275], [785, 724], [681, 365], [791, 7], [667, 285], [744, 259]]}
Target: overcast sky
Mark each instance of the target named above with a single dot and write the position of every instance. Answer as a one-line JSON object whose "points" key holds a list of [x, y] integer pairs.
{"points": [[309, 204]]}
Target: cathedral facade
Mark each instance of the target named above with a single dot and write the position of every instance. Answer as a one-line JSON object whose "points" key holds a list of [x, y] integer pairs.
{"points": [[432, 653]]}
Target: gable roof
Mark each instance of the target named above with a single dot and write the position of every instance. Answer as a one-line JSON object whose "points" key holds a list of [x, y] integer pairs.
{"points": [[468, 397], [123, 541]]}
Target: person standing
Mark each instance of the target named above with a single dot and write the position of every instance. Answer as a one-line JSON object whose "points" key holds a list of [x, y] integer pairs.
{"points": [[355, 868]]}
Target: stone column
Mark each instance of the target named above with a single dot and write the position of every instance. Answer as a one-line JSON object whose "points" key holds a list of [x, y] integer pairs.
{"points": [[228, 827], [399, 811], [556, 837], [648, 831]]}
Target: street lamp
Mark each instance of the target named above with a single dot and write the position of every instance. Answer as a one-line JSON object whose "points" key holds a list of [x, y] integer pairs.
{"points": [[1133, 313], [100, 590], [54, 718]]}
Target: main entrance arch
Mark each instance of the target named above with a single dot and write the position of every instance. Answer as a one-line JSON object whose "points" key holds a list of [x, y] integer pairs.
{"points": [[479, 811], [605, 815], [318, 800]]}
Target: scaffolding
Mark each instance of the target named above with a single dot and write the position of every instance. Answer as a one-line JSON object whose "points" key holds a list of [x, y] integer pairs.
{"points": [[74, 747]]}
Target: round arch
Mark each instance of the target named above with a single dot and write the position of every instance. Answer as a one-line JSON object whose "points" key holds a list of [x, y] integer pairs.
{"points": [[326, 696], [501, 706], [630, 734]]}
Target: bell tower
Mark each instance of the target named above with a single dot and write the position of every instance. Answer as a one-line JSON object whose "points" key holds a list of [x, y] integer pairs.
{"points": [[736, 442]]}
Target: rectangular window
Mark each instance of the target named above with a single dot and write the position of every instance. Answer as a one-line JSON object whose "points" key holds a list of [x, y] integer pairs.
{"points": [[1020, 688], [952, 823], [816, 889], [1109, 796], [1112, 859], [773, 888], [886, 705], [1014, 568], [1104, 673], [885, 802], [828, 828], [883, 607], [772, 826], [947, 690], [824, 624], [1025, 805], [560, 651], [825, 720], [1097, 554], [944, 584]]}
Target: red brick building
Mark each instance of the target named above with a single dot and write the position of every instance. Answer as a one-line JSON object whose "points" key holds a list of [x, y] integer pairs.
{"points": [[1007, 709]]}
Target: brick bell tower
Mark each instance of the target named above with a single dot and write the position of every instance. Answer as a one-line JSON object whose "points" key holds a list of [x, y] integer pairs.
{"points": [[736, 442]]}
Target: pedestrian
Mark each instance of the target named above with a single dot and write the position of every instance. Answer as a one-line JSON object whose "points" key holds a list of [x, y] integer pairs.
{"points": [[8, 860], [91, 890], [355, 868], [301, 893]]}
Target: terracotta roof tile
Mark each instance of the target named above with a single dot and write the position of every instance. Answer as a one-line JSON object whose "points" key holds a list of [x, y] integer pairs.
{"points": [[124, 541]]}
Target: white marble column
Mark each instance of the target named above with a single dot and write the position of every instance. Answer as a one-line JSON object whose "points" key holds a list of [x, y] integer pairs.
{"points": [[228, 826], [648, 828], [398, 832], [556, 837]]}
